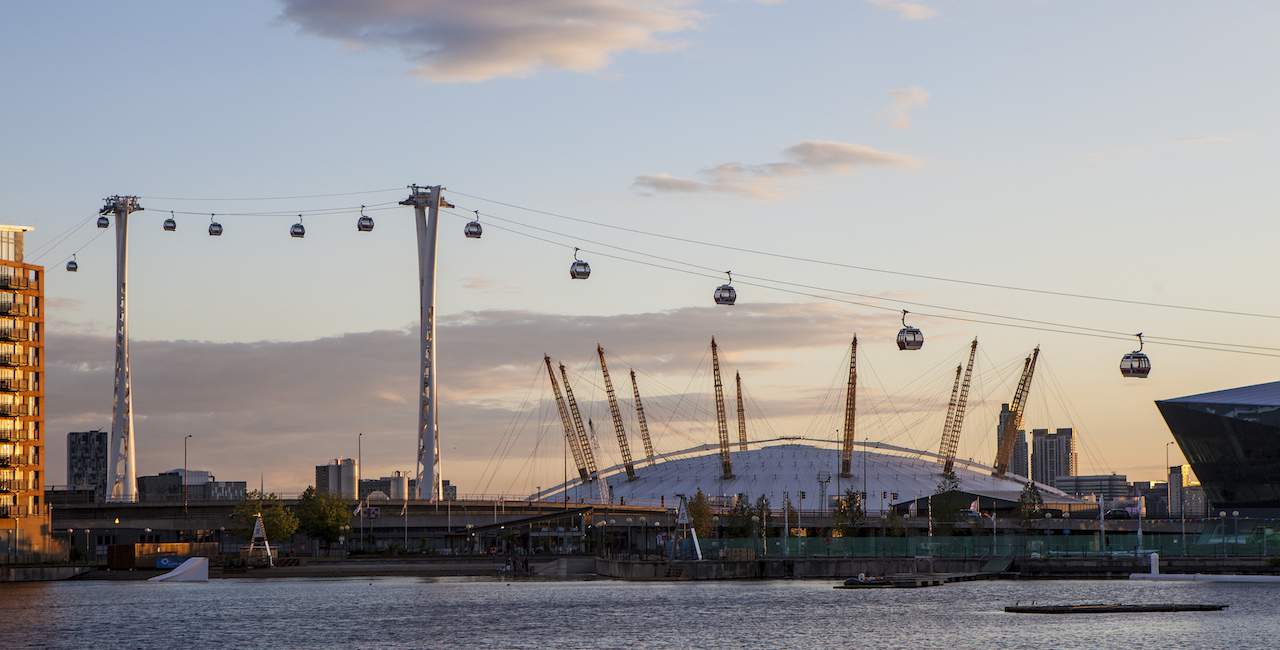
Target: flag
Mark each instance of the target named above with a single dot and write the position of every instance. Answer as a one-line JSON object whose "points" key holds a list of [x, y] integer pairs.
{"points": [[359, 509], [974, 506], [404, 509]]}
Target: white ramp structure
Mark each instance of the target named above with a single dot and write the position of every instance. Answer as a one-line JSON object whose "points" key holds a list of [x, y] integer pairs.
{"points": [[195, 569]]}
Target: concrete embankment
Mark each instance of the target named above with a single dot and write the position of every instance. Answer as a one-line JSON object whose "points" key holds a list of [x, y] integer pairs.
{"points": [[40, 573]]}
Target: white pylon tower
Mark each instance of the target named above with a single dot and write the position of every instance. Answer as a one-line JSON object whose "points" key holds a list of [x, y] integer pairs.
{"points": [[122, 472], [426, 202]]}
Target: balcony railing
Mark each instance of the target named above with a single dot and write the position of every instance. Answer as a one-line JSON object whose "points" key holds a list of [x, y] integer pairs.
{"points": [[11, 485], [14, 309], [14, 334], [14, 282], [14, 385], [14, 410], [9, 434], [9, 511], [14, 360]]}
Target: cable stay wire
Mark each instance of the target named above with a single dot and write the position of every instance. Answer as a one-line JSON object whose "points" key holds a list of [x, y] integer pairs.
{"points": [[44, 249], [872, 269], [769, 283], [371, 207]]}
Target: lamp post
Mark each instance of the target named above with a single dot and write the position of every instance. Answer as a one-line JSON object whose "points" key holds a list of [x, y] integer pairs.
{"points": [[359, 462], [1222, 518], [1235, 530]]}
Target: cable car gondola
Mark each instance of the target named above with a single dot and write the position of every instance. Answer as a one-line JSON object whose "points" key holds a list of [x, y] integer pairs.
{"points": [[725, 294], [909, 338], [579, 270], [104, 222], [474, 230], [215, 228], [1135, 364], [71, 265], [170, 224], [297, 230], [365, 222]]}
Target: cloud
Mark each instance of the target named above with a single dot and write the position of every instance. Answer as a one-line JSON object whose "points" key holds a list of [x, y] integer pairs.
{"points": [[475, 40], [905, 9], [1206, 139], [760, 180], [902, 101], [281, 407]]}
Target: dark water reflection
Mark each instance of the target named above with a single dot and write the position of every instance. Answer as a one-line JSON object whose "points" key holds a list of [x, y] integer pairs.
{"points": [[409, 613]]}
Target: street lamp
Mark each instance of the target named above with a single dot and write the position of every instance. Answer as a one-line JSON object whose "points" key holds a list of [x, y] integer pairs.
{"points": [[1235, 529], [185, 470], [1222, 516]]}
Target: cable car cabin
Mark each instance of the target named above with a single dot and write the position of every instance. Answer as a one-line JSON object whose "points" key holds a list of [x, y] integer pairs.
{"points": [[726, 295], [579, 270], [170, 225], [104, 222], [473, 230], [215, 229], [364, 224], [72, 266], [297, 230], [910, 338], [1135, 365]]}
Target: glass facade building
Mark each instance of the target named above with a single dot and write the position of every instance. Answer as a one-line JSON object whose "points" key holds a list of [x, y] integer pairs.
{"points": [[1231, 438]]}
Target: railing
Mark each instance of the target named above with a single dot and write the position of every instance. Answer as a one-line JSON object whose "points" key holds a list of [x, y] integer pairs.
{"points": [[8, 281], [14, 309], [14, 360], [12, 485], [13, 385], [15, 334], [14, 410], [15, 435], [9, 511]]}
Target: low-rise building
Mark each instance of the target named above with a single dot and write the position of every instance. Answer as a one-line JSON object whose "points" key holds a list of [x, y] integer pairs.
{"points": [[1107, 486]]}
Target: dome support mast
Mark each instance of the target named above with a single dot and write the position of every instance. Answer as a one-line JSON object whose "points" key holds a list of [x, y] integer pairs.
{"points": [[742, 415], [570, 435], [1014, 422], [955, 414], [850, 412], [614, 411], [644, 425], [726, 465]]}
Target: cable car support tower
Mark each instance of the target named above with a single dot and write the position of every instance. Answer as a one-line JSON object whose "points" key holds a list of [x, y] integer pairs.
{"points": [[426, 202], [122, 471], [1011, 425]]}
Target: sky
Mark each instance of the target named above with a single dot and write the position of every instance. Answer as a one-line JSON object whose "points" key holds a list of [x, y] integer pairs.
{"points": [[1114, 149]]}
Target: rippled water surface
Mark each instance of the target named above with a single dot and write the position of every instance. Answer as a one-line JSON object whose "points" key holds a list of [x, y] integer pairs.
{"points": [[408, 612]]}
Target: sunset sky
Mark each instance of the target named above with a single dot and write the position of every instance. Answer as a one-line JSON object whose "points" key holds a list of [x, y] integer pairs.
{"points": [[1088, 147]]}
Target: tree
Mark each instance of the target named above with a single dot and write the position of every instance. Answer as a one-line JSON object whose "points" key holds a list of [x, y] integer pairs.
{"points": [[278, 521], [737, 523], [699, 508], [849, 513], [322, 516], [1030, 503]]}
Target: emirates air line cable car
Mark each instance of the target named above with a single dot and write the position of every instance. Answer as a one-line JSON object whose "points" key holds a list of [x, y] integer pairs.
{"points": [[725, 294], [215, 228], [1135, 364], [473, 229], [909, 338], [104, 222], [579, 269], [365, 222], [297, 230], [170, 224], [71, 265]]}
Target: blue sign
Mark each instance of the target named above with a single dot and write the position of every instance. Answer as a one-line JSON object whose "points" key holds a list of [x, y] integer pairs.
{"points": [[169, 562]]}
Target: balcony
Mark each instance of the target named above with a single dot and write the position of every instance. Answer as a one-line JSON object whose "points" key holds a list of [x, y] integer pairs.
{"points": [[14, 360], [14, 282], [8, 485], [14, 385], [14, 410], [9, 434], [14, 309], [14, 334]]}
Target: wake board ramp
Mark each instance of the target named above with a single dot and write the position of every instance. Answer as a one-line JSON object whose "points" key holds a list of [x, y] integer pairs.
{"points": [[195, 569]]}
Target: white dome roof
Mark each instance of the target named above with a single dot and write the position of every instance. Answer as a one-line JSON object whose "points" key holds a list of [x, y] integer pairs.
{"points": [[794, 467]]}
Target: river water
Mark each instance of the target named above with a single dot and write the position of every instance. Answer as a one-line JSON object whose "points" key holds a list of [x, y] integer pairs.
{"points": [[459, 613]]}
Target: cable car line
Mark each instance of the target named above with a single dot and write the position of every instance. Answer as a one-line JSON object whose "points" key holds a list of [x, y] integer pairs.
{"points": [[1114, 334], [922, 276], [268, 198], [686, 270]]}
